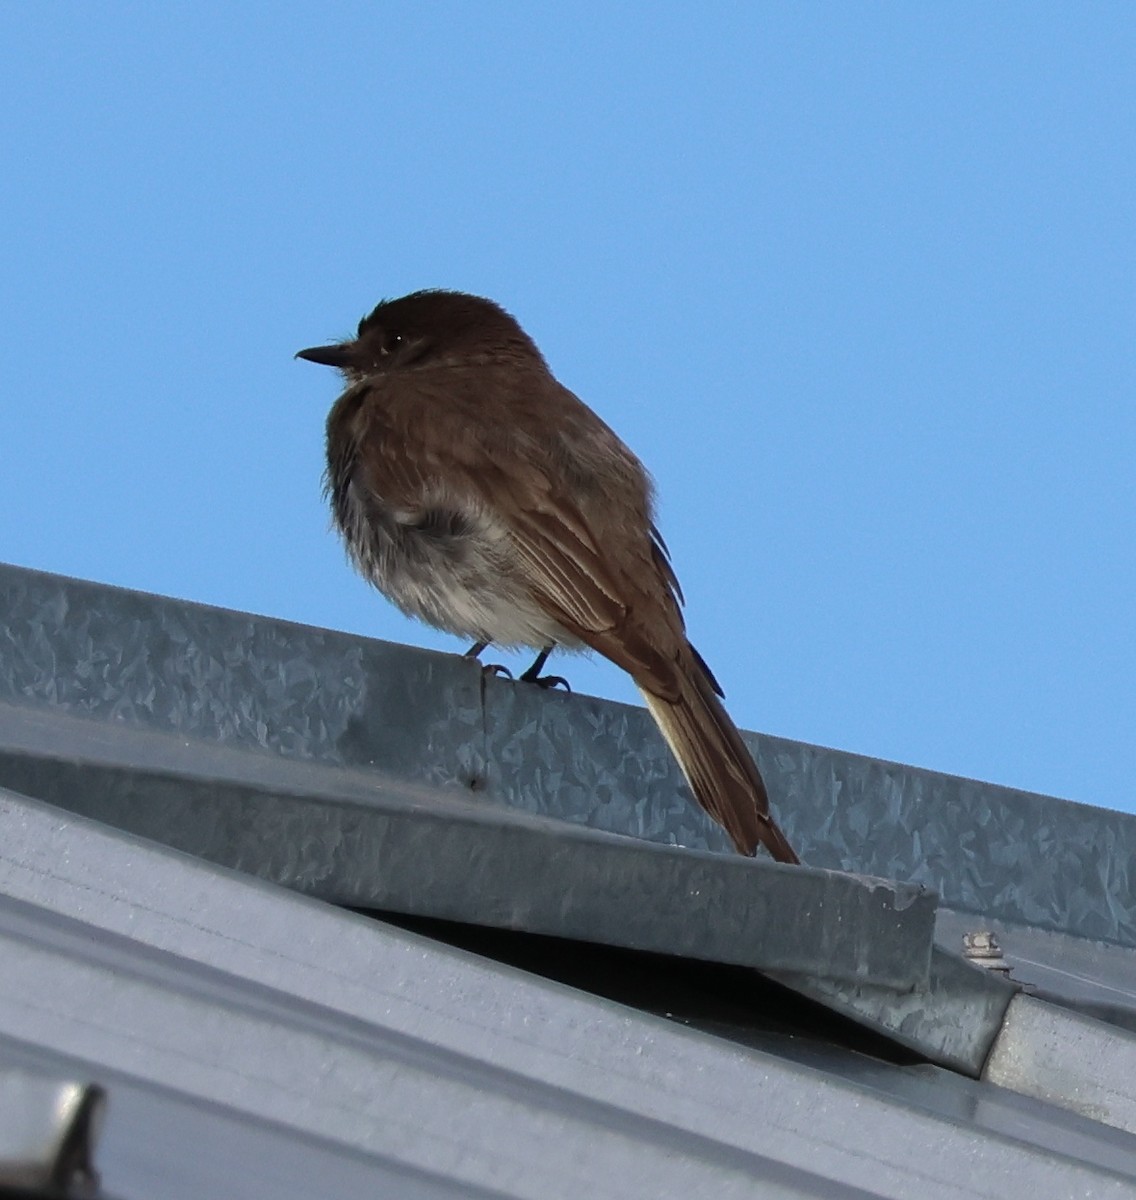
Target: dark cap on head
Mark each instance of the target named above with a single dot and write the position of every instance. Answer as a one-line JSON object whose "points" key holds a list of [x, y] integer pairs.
{"points": [[427, 325]]}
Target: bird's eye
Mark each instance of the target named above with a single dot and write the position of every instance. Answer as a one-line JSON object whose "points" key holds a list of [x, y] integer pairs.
{"points": [[391, 343]]}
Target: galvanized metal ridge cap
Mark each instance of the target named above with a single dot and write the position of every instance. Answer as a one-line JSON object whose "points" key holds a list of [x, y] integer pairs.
{"points": [[353, 638], [358, 701], [203, 606], [494, 866], [76, 739], [39, 733]]}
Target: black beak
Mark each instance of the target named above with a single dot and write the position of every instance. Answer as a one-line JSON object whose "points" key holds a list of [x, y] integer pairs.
{"points": [[338, 355]]}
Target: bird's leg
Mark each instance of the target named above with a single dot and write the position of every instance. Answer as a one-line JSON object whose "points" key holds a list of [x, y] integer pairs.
{"points": [[487, 668], [533, 674]]}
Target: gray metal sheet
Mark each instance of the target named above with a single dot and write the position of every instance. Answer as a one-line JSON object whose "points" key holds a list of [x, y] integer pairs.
{"points": [[158, 1142], [953, 1021], [211, 677], [233, 996], [339, 835], [1052, 1054]]}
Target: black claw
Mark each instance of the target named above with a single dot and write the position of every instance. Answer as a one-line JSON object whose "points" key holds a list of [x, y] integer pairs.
{"points": [[487, 668], [548, 681], [533, 674]]}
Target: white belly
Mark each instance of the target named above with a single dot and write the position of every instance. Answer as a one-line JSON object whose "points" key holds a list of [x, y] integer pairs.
{"points": [[457, 574]]}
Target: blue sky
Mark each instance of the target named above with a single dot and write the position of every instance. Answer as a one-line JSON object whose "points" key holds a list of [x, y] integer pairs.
{"points": [[857, 283]]}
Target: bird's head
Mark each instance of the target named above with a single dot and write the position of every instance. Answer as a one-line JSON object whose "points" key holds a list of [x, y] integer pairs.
{"points": [[429, 328]]}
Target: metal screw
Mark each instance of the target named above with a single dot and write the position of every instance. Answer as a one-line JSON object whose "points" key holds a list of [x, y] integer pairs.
{"points": [[981, 947]]}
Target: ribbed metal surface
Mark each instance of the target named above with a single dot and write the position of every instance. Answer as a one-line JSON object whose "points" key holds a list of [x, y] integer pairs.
{"points": [[234, 1017]]}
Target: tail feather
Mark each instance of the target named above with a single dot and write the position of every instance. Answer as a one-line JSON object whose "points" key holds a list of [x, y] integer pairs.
{"points": [[720, 770]]}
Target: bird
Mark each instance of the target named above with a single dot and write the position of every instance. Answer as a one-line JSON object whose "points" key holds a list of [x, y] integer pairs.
{"points": [[481, 496]]}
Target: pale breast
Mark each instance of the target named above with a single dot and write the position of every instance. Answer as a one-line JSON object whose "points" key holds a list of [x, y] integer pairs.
{"points": [[443, 564]]}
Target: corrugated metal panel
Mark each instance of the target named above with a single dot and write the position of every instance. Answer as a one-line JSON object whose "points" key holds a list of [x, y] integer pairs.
{"points": [[251, 1014]]}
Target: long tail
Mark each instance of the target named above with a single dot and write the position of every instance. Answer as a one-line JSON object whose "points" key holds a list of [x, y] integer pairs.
{"points": [[720, 770]]}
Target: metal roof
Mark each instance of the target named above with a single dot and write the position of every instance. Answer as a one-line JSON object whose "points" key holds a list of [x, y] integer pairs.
{"points": [[255, 1041]]}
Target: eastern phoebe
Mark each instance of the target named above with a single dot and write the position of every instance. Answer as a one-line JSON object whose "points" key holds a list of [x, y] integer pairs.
{"points": [[481, 496]]}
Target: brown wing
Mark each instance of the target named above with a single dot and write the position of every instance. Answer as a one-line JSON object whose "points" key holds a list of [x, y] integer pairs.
{"points": [[584, 557]]}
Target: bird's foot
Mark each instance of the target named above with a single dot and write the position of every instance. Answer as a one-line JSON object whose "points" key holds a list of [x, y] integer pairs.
{"points": [[490, 669], [533, 674], [496, 670], [546, 681]]}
